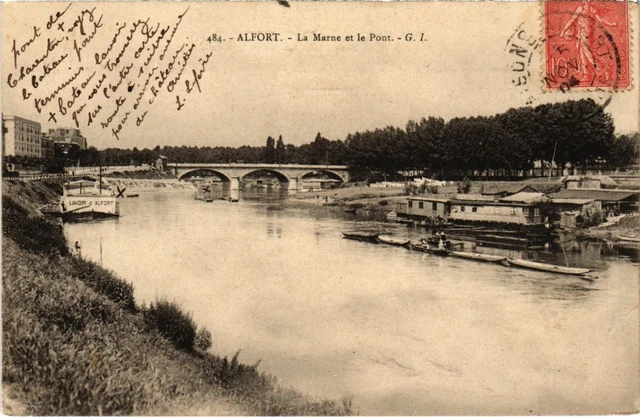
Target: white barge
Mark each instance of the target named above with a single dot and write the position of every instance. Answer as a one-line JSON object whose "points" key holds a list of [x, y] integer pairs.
{"points": [[84, 201]]}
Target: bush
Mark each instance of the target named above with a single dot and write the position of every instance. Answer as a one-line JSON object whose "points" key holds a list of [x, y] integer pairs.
{"points": [[175, 325], [203, 339]]}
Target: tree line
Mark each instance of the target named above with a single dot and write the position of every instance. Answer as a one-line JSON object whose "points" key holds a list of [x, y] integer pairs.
{"points": [[508, 144]]}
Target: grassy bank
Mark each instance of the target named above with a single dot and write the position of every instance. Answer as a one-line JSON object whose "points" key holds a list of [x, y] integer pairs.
{"points": [[76, 343]]}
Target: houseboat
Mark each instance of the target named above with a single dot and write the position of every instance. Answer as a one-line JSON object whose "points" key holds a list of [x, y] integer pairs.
{"points": [[521, 209], [84, 201]]}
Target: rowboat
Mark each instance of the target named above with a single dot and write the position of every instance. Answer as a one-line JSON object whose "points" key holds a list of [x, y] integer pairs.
{"points": [[390, 240], [425, 247], [361, 236], [479, 256], [540, 266]]}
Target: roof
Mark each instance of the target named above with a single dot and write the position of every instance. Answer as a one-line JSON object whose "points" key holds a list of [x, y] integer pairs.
{"points": [[525, 197], [438, 199], [581, 201], [79, 183], [596, 194], [492, 203], [507, 188]]}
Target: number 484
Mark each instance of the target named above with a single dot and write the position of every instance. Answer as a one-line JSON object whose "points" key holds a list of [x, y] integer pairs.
{"points": [[215, 38]]}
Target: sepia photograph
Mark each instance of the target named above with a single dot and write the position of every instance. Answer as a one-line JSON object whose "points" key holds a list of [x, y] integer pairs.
{"points": [[320, 208]]}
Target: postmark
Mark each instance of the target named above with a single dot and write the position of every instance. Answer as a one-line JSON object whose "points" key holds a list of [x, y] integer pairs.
{"points": [[587, 45]]}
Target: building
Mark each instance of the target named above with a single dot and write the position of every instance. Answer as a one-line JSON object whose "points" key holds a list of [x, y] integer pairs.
{"points": [[65, 139], [590, 181], [20, 137], [162, 163], [47, 147], [316, 184], [610, 201]]}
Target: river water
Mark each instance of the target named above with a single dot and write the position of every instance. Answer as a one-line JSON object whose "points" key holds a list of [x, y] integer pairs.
{"points": [[396, 331]]}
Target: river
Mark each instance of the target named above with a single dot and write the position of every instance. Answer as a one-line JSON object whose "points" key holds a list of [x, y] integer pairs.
{"points": [[398, 332]]}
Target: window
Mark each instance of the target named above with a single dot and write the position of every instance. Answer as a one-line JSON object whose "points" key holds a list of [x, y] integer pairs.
{"points": [[536, 212], [434, 206], [513, 211], [410, 204], [525, 211], [421, 205], [462, 208], [474, 209]]}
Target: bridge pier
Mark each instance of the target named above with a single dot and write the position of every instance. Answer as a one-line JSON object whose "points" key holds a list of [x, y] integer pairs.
{"points": [[235, 183], [292, 185]]}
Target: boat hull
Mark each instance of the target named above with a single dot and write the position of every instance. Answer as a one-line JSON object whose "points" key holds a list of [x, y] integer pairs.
{"points": [[539, 266], [390, 240], [362, 237], [479, 256]]}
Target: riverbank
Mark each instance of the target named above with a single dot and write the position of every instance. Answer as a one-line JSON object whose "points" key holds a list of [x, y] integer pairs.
{"points": [[367, 203], [76, 342], [145, 185], [624, 226], [143, 181]]}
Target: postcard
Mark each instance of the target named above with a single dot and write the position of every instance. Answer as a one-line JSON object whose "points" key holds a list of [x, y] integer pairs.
{"points": [[377, 208]]}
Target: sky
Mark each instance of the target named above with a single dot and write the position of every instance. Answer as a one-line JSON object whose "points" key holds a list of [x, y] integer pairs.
{"points": [[250, 90]]}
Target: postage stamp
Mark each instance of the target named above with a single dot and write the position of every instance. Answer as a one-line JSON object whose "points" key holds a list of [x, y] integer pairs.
{"points": [[587, 45]]}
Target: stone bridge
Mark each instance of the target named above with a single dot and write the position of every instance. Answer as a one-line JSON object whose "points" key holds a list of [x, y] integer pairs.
{"points": [[289, 176]]}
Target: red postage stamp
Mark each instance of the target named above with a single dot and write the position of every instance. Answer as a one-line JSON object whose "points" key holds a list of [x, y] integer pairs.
{"points": [[587, 44]]}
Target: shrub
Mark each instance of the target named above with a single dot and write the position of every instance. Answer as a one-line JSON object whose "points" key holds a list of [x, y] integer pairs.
{"points": [[175, 325], [203, 339]]}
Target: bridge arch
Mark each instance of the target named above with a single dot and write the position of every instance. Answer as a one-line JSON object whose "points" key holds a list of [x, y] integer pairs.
{"points": [[224, 177], [282, 178], [329, 173]]}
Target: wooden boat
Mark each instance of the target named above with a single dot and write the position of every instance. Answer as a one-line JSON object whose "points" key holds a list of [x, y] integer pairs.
{"points": [[540, 266], [478, 256], [390, 240], [427, 248], [361, 236]]}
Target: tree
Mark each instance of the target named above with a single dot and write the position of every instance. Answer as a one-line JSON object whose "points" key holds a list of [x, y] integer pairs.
{"points": [[624, 151], [280, 150], [270, 151]]}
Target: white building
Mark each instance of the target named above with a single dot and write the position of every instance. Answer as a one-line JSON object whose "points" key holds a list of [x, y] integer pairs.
{"points": [[20, 137]]}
